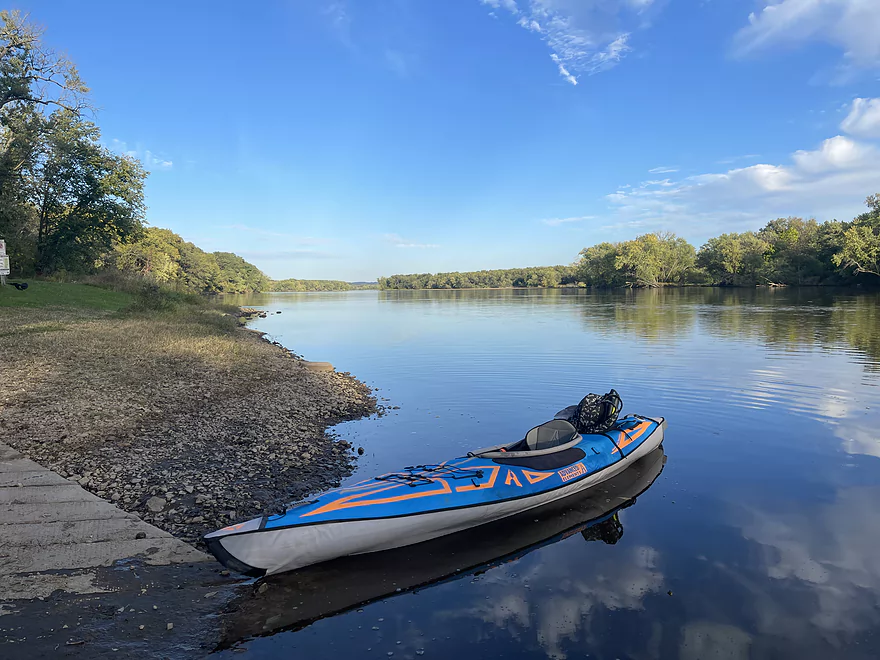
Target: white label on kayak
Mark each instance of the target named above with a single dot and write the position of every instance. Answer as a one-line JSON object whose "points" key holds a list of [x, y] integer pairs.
{"points": [[572, 471]]}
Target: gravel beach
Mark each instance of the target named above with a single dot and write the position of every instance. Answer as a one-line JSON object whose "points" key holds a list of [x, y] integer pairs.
{"points": [[188, 420]]}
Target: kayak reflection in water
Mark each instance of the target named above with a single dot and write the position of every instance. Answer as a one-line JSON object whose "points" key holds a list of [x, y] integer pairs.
{"points": [[297, 599]]}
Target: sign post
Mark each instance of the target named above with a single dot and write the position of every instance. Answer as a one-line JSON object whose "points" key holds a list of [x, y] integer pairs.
{"points": [[4, 262]]}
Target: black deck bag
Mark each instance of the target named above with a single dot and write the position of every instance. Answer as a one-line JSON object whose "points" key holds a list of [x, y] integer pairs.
{"points": [[596, 413]]}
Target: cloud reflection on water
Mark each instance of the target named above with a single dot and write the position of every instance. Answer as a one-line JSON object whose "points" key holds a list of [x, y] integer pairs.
{"points": [[826, 560], [554, 606]]}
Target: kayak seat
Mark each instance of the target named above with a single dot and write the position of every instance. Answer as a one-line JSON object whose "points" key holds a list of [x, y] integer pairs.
{"points": [[550, 434]]}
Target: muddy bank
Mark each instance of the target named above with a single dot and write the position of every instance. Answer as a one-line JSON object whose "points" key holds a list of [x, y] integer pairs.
{"points": [[186, 419]]}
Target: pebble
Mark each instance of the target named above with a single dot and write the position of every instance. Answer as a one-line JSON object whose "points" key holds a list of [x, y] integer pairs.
{"points": [[169, 626], [156, 504]]}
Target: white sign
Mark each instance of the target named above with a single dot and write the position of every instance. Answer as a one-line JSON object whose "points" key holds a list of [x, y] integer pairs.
{"points": [[2, 247], [4, 265]]}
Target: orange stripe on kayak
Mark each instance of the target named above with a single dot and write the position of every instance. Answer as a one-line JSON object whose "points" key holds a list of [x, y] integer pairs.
{"points": [[629, 438], [512, 479], [535, 477], [351, 501]]}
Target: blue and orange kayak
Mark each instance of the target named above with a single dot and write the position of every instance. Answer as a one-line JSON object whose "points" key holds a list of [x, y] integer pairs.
{"points": [[424, 502]]}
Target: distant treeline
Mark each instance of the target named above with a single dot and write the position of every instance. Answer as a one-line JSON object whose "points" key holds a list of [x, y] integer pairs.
{"points": [[317, 285], [787, 251], [542, 276]]}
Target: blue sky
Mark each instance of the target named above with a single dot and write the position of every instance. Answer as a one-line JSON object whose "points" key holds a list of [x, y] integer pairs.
{"points": [[351, 139]]}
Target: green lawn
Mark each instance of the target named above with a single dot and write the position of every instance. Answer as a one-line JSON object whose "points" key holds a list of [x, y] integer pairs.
{"points": [[56, 294]]}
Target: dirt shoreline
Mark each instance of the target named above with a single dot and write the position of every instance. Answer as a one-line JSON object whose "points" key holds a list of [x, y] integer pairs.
{"points": [[184, 419]]}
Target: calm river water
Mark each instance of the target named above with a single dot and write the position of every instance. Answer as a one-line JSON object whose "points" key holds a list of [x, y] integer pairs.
{"points": [[759, 539]]}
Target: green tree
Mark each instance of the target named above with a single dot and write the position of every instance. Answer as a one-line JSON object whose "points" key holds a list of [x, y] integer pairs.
{"points": [[19, 137], [239, 276], [598, 265], [655, 259], [792, 256], [861, 250], [155, 255], [199, 270], [871, 218], [63, 199], [860, 242], [86, 197], [736, 259]]}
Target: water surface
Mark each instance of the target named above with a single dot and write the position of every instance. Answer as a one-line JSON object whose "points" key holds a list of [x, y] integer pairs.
{"points": [[761, 537]]}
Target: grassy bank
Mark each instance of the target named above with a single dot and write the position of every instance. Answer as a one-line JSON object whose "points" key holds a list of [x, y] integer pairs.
{"points": [[166, 406], [40, 294]]}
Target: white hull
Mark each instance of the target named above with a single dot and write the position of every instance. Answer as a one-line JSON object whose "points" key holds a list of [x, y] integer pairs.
{"points": [[287, 549]]}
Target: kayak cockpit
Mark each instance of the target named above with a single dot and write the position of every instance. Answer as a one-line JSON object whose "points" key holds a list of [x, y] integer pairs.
{"points": [[551, 437]]}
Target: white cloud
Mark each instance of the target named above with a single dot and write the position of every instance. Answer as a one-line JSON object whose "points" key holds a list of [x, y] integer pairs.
{"points": [[562, 70], [584, 38], [555, 222], [151, 160], [147, 157], [830, 181], [400, 242], [663, 170], [837, 153], [863, 119], [607, 58], [529, 24], [850, 25], [509, 5]]}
